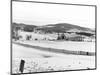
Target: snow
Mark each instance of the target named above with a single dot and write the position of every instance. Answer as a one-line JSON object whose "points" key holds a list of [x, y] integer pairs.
{"points": [[35, 60], [48, 26], [36, 35], [66, 45]]}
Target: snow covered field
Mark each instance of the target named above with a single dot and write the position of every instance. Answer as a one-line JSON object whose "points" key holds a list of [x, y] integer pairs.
{"points": [[67, 45], [39, 61]]}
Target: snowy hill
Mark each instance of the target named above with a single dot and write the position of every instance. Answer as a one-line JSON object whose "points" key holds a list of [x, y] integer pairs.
{"points": [[53, 28], [62, 28]]}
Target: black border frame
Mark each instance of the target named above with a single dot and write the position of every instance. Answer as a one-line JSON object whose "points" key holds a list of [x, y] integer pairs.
{"points": [[95, 6]]}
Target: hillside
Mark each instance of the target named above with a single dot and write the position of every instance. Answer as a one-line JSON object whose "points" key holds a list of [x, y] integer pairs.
{"points": [[59, 28], [62, 27], [25, 27]]}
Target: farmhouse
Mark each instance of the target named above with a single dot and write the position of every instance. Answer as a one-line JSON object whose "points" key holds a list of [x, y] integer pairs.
{"points": [[61, 36], [74, 37], [23, 35], [36, 36]]}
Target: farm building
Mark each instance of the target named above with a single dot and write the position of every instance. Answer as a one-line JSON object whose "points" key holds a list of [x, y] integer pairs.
{"points": [[23, 35], [36, 36], [61, 36], [74, 37], [89, 39], [70, 37]]}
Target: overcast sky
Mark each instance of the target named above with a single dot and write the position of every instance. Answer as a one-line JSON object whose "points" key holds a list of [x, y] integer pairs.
{"points": [[42, 14]]}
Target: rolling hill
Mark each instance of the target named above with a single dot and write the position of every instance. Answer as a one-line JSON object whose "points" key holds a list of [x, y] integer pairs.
{"points": [[58, 28], [63, 27]]}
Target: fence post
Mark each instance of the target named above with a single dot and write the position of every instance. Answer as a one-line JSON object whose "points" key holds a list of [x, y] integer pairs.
{"points": [[21, 69]]}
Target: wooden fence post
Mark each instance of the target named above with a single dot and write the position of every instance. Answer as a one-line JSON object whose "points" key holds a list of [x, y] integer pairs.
{"points": [[21, 69]]}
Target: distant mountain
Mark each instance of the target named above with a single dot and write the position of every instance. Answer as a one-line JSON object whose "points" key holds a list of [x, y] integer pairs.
{"points": [[62, 27], [59, 28], [22, 25], [25, 27]]}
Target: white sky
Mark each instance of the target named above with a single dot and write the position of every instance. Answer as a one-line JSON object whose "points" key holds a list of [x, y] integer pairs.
{"points": [[42, 14]]}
